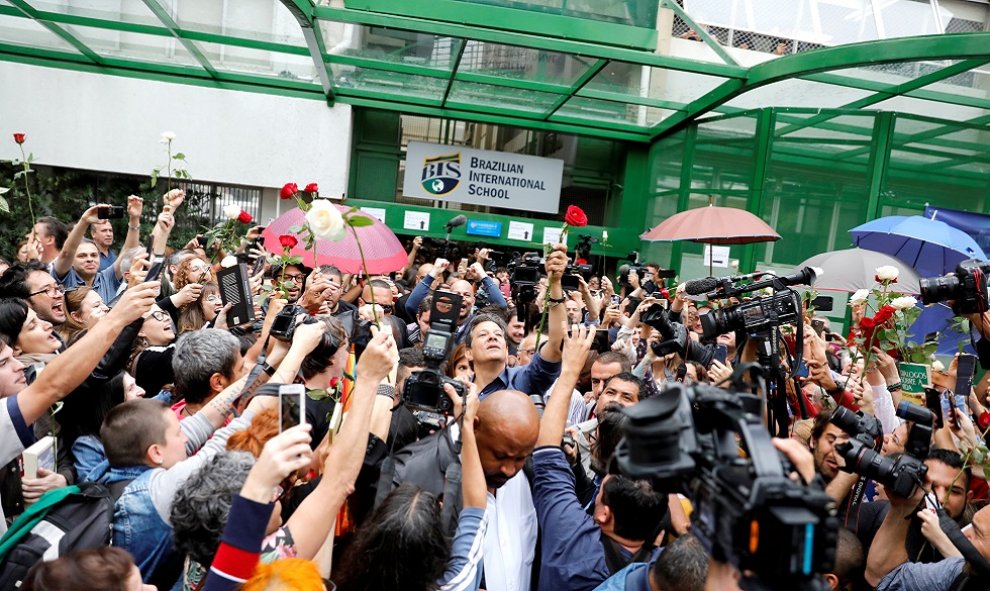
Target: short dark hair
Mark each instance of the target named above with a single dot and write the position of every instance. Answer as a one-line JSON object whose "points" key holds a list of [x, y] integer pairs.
{"points": [[610, 357], [820, 424], [952, 459], [55, 227], [331, 270], [425, 306], [131, 428], [850, 560], [13, 282], [478, 319], [682, 566], [636, 507], [610, 432], [319, 358], [626, 376], [104, 568], [13, 315], [411, 357]]}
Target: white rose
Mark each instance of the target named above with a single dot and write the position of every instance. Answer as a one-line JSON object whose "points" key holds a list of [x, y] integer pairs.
{"points": [[938, 365], [887, 273], [859, 297], [903, 303], [231, 212], [228, 261], [168, 136], [325, 220]]}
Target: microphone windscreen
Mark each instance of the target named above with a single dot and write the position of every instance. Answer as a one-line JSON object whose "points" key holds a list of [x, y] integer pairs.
{"points": [[457, 221], [701, 286]]}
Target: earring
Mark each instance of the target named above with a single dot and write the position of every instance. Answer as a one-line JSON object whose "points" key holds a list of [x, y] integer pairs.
{"points": [[160, 462]]}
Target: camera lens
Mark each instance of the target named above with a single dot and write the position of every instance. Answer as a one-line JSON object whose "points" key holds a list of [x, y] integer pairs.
{"points": [[939, 289], [846, 420]]}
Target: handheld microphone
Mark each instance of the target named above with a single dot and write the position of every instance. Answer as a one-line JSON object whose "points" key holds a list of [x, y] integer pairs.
{"points": [[459, 220]]}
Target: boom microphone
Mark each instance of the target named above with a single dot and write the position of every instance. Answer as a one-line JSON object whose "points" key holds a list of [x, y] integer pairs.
{"points": [[456, 221], [701, 286]]}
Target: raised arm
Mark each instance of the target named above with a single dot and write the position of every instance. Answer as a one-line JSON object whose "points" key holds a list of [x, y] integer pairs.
{"points": [[576, 347], [555, 265], [67, 371], [63, 262], [135, 205]]}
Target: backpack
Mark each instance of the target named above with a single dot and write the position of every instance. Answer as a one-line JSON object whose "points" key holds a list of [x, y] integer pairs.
{"points": [[61, 521]]}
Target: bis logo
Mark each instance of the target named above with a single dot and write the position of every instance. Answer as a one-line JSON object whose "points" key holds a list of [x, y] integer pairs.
{"points": [[442, 174]]}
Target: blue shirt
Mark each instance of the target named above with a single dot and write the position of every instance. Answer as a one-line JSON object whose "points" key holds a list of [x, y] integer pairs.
{"points": [[635, 577], [105, 282], [916, 576], [571, 552], [534, 378], [107, 260]]}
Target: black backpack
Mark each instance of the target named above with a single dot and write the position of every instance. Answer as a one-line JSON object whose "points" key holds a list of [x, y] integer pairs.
{"points": [[61, 521]]}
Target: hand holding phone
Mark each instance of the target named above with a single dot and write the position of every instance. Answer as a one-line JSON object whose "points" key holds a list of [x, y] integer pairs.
{"points": [[291, 406]]}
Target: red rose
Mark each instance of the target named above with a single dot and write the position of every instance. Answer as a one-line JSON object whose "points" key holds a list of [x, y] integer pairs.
{"points": [[866, 323], [312, 188], [288, 191], [245, 217], [335, 380], [19, 138], [287, 241], [665, 293], [884, 314], [575, 217]]}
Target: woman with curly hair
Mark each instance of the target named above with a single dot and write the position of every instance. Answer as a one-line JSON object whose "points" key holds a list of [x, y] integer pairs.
{"points": [[190, 276]]}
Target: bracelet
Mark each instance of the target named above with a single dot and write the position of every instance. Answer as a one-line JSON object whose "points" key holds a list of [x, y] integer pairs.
{"points": [[893, 387], [554, 300], [133, 226], [836, 390], [268, 369]]}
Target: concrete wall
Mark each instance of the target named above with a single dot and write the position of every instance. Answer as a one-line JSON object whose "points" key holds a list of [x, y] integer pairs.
{"points": [[111, 123]]}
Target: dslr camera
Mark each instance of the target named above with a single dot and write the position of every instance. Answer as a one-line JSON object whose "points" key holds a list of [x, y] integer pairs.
{"points": [[862, 455], [966, 288], [748, 513], [423, 390], [288, 319]]}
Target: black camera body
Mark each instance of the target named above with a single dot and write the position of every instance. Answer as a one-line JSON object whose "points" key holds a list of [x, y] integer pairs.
{"points": [[525, 272], [862, 454], [285, 324], [423, 390], [966, 288], [753, 317], [748, 513], [569, 281]]}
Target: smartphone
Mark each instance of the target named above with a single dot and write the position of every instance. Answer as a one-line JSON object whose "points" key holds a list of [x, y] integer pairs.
{"points": [[933, 402], [201, 240], [110, 212], [616, 300], [157, 264], [802, 370], [721, 352], [601, 343], [818, 324], [681, 373], [946, 404], [291, 406], [965, 370]]}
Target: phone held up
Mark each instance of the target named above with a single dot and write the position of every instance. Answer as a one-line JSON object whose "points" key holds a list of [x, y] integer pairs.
{"points": [[291, 406]]}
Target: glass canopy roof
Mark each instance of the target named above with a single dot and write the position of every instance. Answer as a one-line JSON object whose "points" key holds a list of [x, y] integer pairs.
{"points": [[625, 69]]}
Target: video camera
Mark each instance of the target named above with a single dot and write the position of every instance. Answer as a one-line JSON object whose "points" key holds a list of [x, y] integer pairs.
{"points": [[525, 271], [748, 513], [900, 475], [966, 288], [423, 390], [569, 281]]}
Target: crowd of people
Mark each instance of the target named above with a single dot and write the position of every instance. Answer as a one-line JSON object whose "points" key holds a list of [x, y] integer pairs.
{"points": [[151, 395]]}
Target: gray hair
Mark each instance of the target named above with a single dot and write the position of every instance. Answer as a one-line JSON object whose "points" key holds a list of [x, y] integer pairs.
{"points": [[202, 504], [199, 355], [682, 566]]}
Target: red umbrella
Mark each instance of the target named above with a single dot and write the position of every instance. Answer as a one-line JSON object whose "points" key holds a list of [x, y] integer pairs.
{"points": [[713, 225], [383, 253]]}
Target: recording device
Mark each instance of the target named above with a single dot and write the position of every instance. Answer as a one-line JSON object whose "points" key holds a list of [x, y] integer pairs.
{"points": [[755, 316], [965, 371], [966, 288], [455, 221], [201, 240], [721, 354], [235, 289], [748, 513], [423, 390], [899, 476], [569, 281], [727, 287], [291, 406], [933, 402], [818, 324], [110, 212], [525, 271], [157, 264], [674, 338]]}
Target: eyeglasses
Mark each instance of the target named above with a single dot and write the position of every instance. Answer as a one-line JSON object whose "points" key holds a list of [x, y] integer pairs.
{"points": [[51, 291], [213, 298], [199, 269], [159, 315], [295, 278]]}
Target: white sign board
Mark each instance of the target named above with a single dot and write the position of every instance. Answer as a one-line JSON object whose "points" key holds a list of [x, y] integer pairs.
{"points": [[551, 235], [482, 177], [416, 220], [375, 212], [717, 256], [520, 231]]}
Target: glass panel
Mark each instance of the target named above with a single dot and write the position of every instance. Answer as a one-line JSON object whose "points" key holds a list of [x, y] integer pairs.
{"points": [[826, 22], [634, 81], [522, 63], [906, 18], [391, 82], [638, 13], [263, 20], [725, 155], [128, 11], [893, 74], [937, 109], [612, 111], [499, 97], [798, 93], [226, 58], [390, 45], [134, 46], [828, 128], [26, 32]]}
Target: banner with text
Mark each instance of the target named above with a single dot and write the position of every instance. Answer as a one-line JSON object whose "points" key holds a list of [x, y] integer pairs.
{"points": [[481, 177]]}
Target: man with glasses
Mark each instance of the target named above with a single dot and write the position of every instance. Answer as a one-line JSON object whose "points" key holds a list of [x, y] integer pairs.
{"points": [[32, 282], [294, 277]]}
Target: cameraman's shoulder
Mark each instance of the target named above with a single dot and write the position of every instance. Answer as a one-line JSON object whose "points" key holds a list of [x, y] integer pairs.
{"points": [[912, 576]]}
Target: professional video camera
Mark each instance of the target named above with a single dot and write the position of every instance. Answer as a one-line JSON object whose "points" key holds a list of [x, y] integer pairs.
{"points": [[525, 271], [899, 476], [675, 337], [966, 288], [748, 513], [569, 281], [754, 316], [423, 390]]}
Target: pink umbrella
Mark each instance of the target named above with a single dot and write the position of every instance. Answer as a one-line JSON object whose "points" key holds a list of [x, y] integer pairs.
{"points": [[383, 253]]}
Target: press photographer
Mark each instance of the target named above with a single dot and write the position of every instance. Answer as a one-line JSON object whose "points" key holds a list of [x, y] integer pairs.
{"points": [[965, 291]]}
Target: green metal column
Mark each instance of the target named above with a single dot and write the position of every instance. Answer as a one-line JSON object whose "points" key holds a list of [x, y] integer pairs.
{"points": [[883, 132], [765, 125], [687, 167]]}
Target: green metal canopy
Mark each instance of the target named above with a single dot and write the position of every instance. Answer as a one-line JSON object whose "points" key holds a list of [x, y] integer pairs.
{"points": [[604, 68]]}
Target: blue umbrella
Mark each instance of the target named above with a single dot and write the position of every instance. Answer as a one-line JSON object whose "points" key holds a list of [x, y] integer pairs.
{"points": [[930, 246]]}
